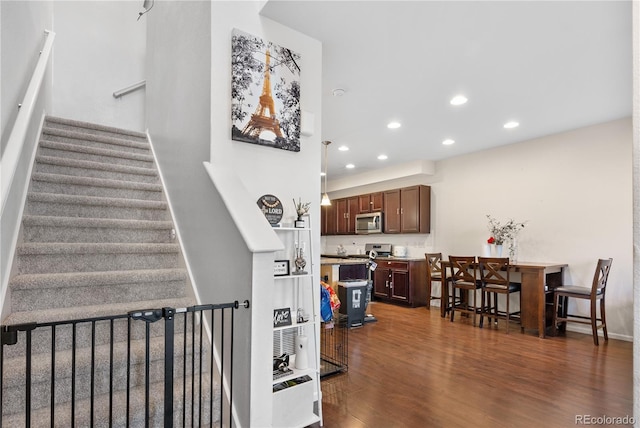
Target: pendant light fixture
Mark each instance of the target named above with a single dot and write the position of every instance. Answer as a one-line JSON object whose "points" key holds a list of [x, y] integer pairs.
{"points": [[325, 198]]}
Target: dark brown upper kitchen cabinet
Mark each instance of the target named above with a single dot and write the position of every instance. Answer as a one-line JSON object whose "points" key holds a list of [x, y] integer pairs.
{"points": [[346, 210], [328, 219], [371, 203], [407, 210]]}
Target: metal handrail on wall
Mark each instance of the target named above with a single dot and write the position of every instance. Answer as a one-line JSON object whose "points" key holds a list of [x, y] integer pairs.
{"points": [[129, 89], [21, 125]]}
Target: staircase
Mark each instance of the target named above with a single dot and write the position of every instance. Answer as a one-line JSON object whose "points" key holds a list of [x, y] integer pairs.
{"points": [[97, 240]]}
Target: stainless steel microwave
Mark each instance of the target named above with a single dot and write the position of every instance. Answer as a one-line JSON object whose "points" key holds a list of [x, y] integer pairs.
{"points": [[369, 223]]}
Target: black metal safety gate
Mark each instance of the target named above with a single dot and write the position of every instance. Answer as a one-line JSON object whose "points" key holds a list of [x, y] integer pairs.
{"points": [[121, 370]]}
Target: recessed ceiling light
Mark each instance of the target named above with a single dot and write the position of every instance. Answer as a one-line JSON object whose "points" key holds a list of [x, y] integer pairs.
{"points": [[322, 174], [382, 157], [394, 125], [350, 166], [343, 148], [338, 92], [448, 142], [458, 100], [511, 125]]}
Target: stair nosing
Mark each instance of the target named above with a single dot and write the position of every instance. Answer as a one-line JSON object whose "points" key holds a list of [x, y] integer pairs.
{"points": [[100, 166], [95, 126], [97, 223], [89, 150], [40, 362], [43, 281], [42, 248], [95, 182], [59, 198], [80, 312], [84, 136]]}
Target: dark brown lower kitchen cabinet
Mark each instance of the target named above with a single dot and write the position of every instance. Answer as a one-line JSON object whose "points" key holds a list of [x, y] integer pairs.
{"points": [[401, 282]]}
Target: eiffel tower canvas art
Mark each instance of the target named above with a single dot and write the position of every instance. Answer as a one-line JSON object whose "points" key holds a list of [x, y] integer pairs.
{"points": [[265, 93]]}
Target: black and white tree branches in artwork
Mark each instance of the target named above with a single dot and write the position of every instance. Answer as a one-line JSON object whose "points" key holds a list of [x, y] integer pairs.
{"points": [[265, 93]]}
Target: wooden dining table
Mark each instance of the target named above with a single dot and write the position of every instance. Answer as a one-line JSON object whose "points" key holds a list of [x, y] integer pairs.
{"points": [[537, 280]]}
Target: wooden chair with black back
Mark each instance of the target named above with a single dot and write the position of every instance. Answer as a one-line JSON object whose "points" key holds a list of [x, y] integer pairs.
{"points": [[435, 274], [593, 294], [463, 279], [494, 276]]}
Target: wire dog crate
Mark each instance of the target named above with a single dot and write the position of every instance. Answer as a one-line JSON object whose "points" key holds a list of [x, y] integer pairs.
{"points": [[334, 346]]}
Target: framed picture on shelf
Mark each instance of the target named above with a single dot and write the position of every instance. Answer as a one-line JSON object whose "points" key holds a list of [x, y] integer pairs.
{"points": [[281, 268], [281, 317]]}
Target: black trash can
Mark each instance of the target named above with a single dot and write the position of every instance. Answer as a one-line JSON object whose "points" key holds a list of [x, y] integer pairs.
{"points": [[353, 301]]}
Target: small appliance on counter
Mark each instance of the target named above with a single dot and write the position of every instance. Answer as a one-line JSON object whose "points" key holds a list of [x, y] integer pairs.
{"points": [[382, 250], [399, 251]]}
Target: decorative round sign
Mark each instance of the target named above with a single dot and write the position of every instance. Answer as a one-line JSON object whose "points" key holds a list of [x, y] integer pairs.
{"points": [[271, 207]]}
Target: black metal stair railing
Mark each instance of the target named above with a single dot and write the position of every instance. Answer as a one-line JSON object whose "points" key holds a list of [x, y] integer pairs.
{"points": [[196, 409]]}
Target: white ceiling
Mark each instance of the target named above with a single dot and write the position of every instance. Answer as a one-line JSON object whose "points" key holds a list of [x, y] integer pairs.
{"points": [[551, 66]]}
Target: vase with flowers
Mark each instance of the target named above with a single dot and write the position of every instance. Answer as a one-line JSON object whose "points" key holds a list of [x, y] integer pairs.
{"points": [[302, 208], [504, 233]]}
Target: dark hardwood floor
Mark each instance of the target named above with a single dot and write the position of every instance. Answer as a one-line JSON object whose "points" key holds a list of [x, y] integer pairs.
{"points": [[413, 368]]}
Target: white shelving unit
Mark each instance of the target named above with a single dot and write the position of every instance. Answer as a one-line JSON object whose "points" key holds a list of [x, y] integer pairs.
{"points": [[297, 404]]}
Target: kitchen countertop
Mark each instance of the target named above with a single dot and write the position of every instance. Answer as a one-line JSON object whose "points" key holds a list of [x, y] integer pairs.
{"points": [[326, 259], [335, 260]]}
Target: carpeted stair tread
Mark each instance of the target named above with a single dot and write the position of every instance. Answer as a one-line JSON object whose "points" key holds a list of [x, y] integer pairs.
{"points": [[86, 279], [55, 198], [41, 370], [48, 228], [87, 125], [107, 309], [96, 182], [40, 418], [85, 164], [41, 363], [83, 136], [54, 221], [94, 248], [66, 147]]}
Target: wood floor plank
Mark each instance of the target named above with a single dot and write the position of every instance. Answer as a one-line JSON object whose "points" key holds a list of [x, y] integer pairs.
{"points": [[413, 368]]}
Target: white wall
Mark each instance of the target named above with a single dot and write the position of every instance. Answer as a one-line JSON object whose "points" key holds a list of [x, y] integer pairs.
{"points": [[22, 36], [100, 48], [265, 170], [574, 190]]}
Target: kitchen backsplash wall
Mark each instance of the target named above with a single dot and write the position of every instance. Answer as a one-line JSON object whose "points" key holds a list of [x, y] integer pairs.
{"points": [[416, 244]]}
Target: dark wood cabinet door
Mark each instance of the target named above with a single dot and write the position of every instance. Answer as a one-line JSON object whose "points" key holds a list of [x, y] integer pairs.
{"points": [[346, 210], [376, 202], [392, 211], [410, 210], [364, 204], [352, 210], [371, 203], [342, 223], [328, 219], [381, 282], [399, 289]]}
